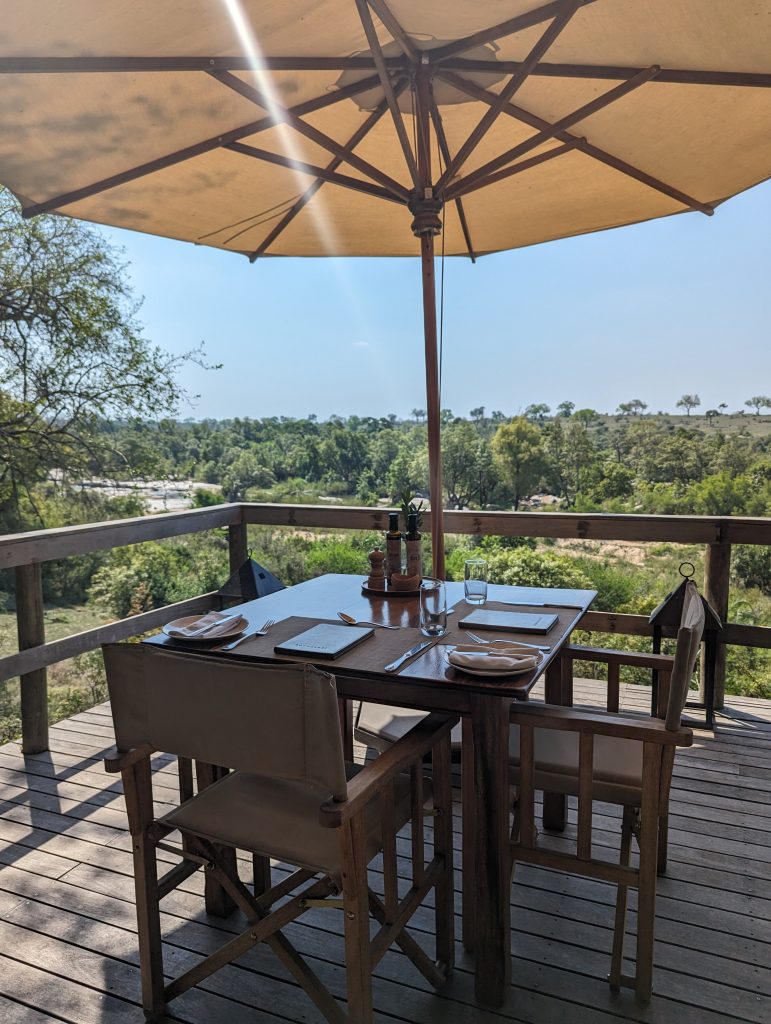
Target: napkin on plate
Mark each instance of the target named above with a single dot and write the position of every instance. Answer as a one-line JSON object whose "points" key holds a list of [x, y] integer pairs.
{"points": [[227, 622], [497, 656]]}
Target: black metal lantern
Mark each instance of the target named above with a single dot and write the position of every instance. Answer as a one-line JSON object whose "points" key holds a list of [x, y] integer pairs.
{"points": [[665, 620], [248, 582]]}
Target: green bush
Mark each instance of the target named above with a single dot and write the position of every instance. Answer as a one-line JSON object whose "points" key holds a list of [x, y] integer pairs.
{"points": [[752, 567], [151, 575], [335, 556], [620, 588], [523, 567]]}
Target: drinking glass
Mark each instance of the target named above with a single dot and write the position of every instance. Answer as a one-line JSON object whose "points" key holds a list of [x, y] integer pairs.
{"points": [[475, 577], [433, 608]]}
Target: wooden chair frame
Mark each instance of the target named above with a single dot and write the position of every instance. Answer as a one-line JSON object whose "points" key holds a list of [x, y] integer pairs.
{"points": [[645, 814], [658, 757], [224, 889]]}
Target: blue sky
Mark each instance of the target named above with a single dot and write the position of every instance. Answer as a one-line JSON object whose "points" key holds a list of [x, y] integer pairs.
{"points": [[649, 311]]}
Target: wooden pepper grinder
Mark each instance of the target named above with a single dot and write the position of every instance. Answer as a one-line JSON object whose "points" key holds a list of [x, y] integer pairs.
{"points": [[377, 580]]}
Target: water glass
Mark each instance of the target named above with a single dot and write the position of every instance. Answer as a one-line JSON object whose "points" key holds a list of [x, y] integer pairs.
{"points": [[475, 581], [433, 608]]}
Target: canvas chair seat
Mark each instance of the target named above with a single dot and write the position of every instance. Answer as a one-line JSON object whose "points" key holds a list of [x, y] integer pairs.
{"points": [[381, 725], [617, 765], [280, 819]]}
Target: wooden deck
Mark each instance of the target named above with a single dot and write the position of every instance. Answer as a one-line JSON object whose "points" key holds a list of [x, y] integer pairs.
{"points": [[67, 947]]}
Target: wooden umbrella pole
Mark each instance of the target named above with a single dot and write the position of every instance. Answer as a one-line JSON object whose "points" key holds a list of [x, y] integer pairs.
{"points": [[432, 403], [427, 223]]}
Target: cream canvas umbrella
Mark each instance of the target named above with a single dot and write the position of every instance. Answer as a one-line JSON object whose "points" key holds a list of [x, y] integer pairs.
{"points": [[367, 127]]}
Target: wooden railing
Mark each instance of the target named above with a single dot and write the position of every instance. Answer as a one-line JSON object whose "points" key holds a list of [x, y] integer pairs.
{"points": [[25, 553]]}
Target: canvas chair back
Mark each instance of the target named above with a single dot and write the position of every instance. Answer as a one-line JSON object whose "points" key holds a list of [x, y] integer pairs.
{"points": [[275, 721], [688, 640]]}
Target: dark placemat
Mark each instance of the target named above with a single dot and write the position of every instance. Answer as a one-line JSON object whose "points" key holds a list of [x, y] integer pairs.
{"points": [[371, 655], [433, 664], [565, 617]]}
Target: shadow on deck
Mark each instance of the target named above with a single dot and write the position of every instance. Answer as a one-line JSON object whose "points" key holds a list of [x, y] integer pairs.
{"points": [[68, 930]]}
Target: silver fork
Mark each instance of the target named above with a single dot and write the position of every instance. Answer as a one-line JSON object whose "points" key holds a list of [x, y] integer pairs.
{"points": [[481, 640], [262, 631]]}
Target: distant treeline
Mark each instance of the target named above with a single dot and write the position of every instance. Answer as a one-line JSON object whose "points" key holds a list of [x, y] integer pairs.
{"points": [[584, 460]]}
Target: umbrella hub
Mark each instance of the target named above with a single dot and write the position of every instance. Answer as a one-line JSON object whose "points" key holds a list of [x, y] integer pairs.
{"points": [[425, 208]]}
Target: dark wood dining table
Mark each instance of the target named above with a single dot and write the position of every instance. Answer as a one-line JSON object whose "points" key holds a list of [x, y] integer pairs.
{"points": [[429, 682]]}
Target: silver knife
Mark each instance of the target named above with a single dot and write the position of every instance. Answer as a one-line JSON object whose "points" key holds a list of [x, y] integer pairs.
{"points": [[394, 665]]}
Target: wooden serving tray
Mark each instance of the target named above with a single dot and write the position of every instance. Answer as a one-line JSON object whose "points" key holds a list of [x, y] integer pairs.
{"points": [[389, 592]]}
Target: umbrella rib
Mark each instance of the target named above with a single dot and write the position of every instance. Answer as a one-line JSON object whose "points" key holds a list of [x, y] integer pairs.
{"points": [[357, 184], [441, 136], [399, 35], [388, 89], [504, 28], [197, 149], [460, 189], [566, 11], [306, 197], [611, 96], [285, 114], [602, 156], [612, 72], [95, 65]]}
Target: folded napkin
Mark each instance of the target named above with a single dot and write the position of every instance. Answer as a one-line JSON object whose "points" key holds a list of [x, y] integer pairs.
{"points": [[497, 656], [226, 623]]}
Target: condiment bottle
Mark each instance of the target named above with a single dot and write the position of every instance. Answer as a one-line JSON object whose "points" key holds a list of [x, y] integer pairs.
{"points": [[393, 546], [412, 543]]}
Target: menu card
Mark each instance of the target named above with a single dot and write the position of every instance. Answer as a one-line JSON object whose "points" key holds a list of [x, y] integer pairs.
{"points": [[327, 640], [515, 622]]}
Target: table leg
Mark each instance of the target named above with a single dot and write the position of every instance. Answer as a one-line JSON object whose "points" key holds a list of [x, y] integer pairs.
{"points": [[554, 804], [468, 796], [492, 925], [345, 710]]}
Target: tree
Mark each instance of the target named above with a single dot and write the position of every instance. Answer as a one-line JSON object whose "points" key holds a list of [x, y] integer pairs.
{"points": [[245, 471], [459, 474], [539, 411], [633, 408], [71, 355], [711, 414], [586, 416], [688, 402], [519, 456], [419, 415], [478, 414], [758, 402], [565, 409]]}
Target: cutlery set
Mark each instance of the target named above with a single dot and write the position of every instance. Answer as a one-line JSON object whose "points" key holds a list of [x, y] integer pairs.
{"points": [[351, 621]]}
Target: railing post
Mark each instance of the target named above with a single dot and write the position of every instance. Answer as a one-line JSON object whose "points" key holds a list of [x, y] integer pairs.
{"points": [[237, 544], [34, 685], [717, 572]]}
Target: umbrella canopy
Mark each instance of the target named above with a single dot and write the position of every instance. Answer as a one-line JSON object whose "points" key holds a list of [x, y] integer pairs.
{"points": [[366, 127]]}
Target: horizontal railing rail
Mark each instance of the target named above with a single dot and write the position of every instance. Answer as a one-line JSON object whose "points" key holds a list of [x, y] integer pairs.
{"points": [[26, 553]]}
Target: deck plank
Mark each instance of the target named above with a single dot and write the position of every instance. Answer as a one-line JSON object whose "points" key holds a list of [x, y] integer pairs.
{"points": [[68, 933]]}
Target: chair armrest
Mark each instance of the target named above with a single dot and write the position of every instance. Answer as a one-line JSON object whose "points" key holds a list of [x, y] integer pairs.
{"points": [[116, 760], [646, 730], [409, 750], [637, 659]]}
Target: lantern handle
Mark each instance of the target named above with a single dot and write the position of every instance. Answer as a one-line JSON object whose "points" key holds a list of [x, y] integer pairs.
{"points": [[683, 570]]}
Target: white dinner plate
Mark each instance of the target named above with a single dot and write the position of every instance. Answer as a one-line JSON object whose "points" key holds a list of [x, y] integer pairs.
{"points": [[232, 629]]}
